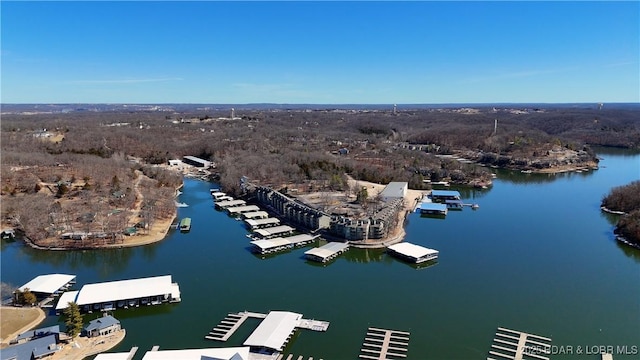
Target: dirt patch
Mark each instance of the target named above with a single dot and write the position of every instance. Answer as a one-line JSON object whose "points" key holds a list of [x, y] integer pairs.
{"points": [[17, 320]]}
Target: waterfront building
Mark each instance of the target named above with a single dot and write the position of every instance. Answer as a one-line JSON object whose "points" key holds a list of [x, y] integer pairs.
{"points": [[291, 210], [256, 215], [271, 232], [235, 210], [34, 349], [197, 162], [262, 223], [37, 333], [102, 326], [220, 205], [394, 190], [375, 227]]}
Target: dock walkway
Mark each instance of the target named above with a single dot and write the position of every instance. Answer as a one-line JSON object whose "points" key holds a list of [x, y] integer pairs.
{"points": [[231, 323], [517, 345], [383, 344]]}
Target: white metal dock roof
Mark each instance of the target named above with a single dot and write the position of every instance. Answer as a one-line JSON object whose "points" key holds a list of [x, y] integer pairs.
{"points": [[274, 230], [259, 222], [447, 193], [412, 250], [229, 203], [257, 214], [327, 249], [241, 209], [66, 298], [126, 289], [430, 206], [230, 353], [271, 243], [299, 238], [274, 330], [48, 283]]}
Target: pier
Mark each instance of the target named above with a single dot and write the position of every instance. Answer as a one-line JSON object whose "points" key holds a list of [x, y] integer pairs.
{"points": [[517, 345], [229, 325], [383, 344]]}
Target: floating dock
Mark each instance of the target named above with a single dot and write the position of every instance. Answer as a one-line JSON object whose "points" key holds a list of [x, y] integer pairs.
{"points": [[383, 344], [231, 323], [517, 345], [327, 252]]}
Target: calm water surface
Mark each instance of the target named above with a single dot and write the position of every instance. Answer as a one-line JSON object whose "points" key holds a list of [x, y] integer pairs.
{"points": [[538, 256]]}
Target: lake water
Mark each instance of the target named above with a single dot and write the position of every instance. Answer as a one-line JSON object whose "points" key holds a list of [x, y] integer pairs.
{"points": [[537, 256]]}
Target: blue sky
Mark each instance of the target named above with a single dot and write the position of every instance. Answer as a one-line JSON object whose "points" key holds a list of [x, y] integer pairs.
{"points": [[320, 52]]}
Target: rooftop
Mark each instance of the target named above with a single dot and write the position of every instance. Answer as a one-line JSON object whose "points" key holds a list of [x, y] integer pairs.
{"points": [[446, 193], [125, 289], [274, 330], [412, 250], [48, 283]]}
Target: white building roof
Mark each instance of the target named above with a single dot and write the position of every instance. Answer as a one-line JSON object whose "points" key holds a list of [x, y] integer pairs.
{"points": [[126, 289], [327, 249], [230, 353], [66, 298], [274, 330], [48, 283], [230, 203], [299, 238], [395, 190], [412, 250]]}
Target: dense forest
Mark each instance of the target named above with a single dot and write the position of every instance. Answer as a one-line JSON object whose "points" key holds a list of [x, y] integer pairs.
{"points": [[95, 160], [626, 199]]}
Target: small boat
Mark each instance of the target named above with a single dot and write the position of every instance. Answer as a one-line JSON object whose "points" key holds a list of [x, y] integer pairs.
{"points": [[475, 206], [185, 224]]}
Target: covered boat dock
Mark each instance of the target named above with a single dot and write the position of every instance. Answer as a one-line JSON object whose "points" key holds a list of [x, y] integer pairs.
{"points": [[430, 208], [262, 223], [256, 215], [444, 195], [327, 252], [242, 209], [268, 246], [229, 203], [44, 286], [412, 252], [123, 294], [273, 231]]}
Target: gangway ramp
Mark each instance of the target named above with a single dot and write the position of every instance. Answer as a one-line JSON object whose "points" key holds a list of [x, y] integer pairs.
{"points": [[384, 344]]}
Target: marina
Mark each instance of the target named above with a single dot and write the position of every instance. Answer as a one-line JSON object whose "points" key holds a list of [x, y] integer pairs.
{"points": [[384, 344], [413, 253], [517, 345], [327, 252], [429, 208]]}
